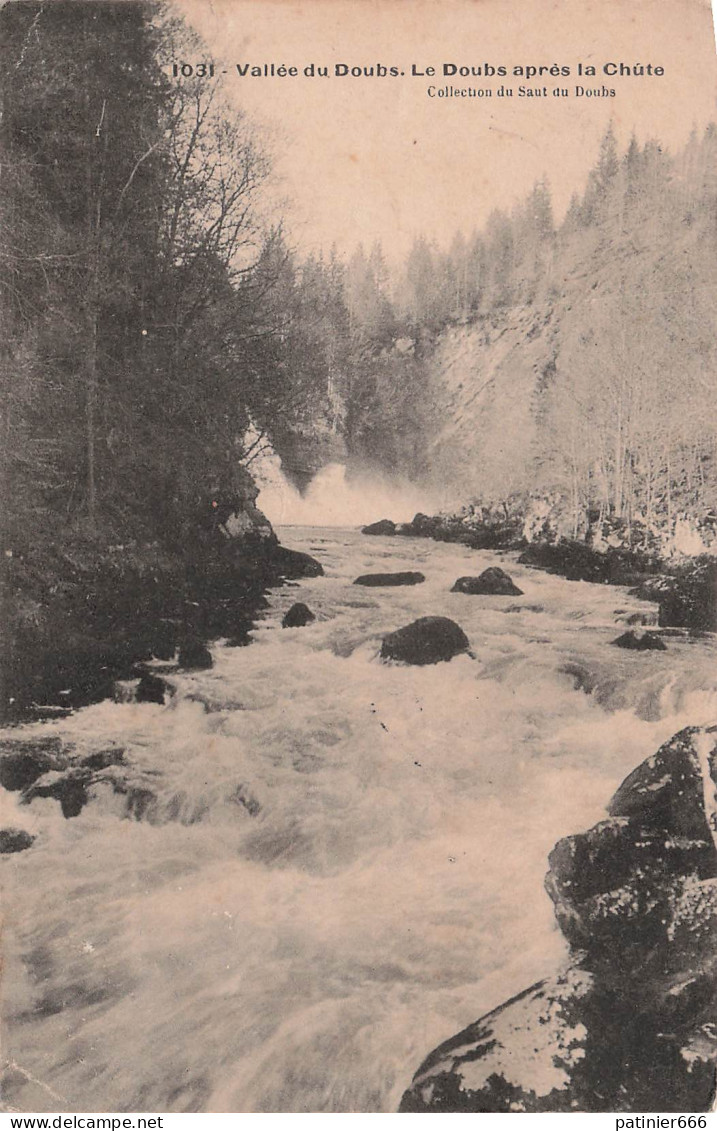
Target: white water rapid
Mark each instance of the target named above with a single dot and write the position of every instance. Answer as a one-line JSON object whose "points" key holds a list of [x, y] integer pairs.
{"points": [[344, 862], [334, 499]]}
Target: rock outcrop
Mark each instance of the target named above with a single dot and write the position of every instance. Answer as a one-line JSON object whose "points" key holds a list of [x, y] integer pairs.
{"points": [[629, 1024], [688, 596], [22, 763], [69, 787], [493, 581], [297, 616], [428, 640], [295, 563], [685, 589], [498, 527], [48, 768], [405, 577], [640, 642], [15, 840], [152, 689], [383, 526]]}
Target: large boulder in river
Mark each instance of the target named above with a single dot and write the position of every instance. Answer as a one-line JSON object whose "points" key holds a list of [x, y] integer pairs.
{"points": [[297, 616], [152, 689], [406, 577], [23, 762], [640, 642], [424, 525], [15, 840], [427, 640], [616, 891], [628, 1025], [567, 1044], [69, 787], [227, 510], [675, 788], [295, 563], [493, 581], [687, 597], [383, 526]]}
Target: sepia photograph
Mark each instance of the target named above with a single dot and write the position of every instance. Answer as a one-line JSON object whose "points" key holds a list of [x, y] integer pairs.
{"points": [[358, 509]]}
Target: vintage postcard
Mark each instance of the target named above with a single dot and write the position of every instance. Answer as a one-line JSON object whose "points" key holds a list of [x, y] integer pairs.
{"points": [[358, 386]]}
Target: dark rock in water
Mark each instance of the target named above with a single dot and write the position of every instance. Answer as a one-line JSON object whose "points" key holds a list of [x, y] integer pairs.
{"points": [[22, 763], [492, 529], [424, 525], [298, 615], [427, 640], [152, 689], [641, 642], [75, 785], [667, 791], [114, 756], [567, 1045], [688, 597], [407, 577], [615, 891], [295, 563], [629, 1024], [405, 529], [194, 654], [14, 840], [638, 891], [493, 581], [68, 787], [511, 1059], [383, 526]]}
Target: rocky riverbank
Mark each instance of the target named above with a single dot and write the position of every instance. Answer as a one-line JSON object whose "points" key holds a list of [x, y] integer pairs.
{"points": [[684, 587], [82, 613], [628, 1024]]}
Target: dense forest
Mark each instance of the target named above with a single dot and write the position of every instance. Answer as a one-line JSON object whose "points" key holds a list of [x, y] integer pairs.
{"points": [[136, 261], [158, 327]]}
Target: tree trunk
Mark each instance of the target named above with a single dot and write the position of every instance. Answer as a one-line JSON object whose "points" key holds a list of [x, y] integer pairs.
{"points": [[94, 225]]}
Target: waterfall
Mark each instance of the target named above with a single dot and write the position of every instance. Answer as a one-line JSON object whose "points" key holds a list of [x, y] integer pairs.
{"points": [[335, 498]]}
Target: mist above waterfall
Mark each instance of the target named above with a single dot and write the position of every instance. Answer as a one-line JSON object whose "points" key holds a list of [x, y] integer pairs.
{"points": [[336, 498]]}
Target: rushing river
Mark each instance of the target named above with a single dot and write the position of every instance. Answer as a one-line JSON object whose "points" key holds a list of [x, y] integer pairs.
{"points": [[345, 861]]}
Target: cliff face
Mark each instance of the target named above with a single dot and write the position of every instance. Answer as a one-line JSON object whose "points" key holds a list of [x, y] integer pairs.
{"points": [[484, 384], [589, 379], [629, 1024]]}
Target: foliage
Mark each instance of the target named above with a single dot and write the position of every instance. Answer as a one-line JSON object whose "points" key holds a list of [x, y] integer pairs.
{"points": [[134, 264]]}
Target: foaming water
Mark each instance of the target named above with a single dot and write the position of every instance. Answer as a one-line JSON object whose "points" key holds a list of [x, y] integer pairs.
{"points": [[334, 499], [342, 861]]}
